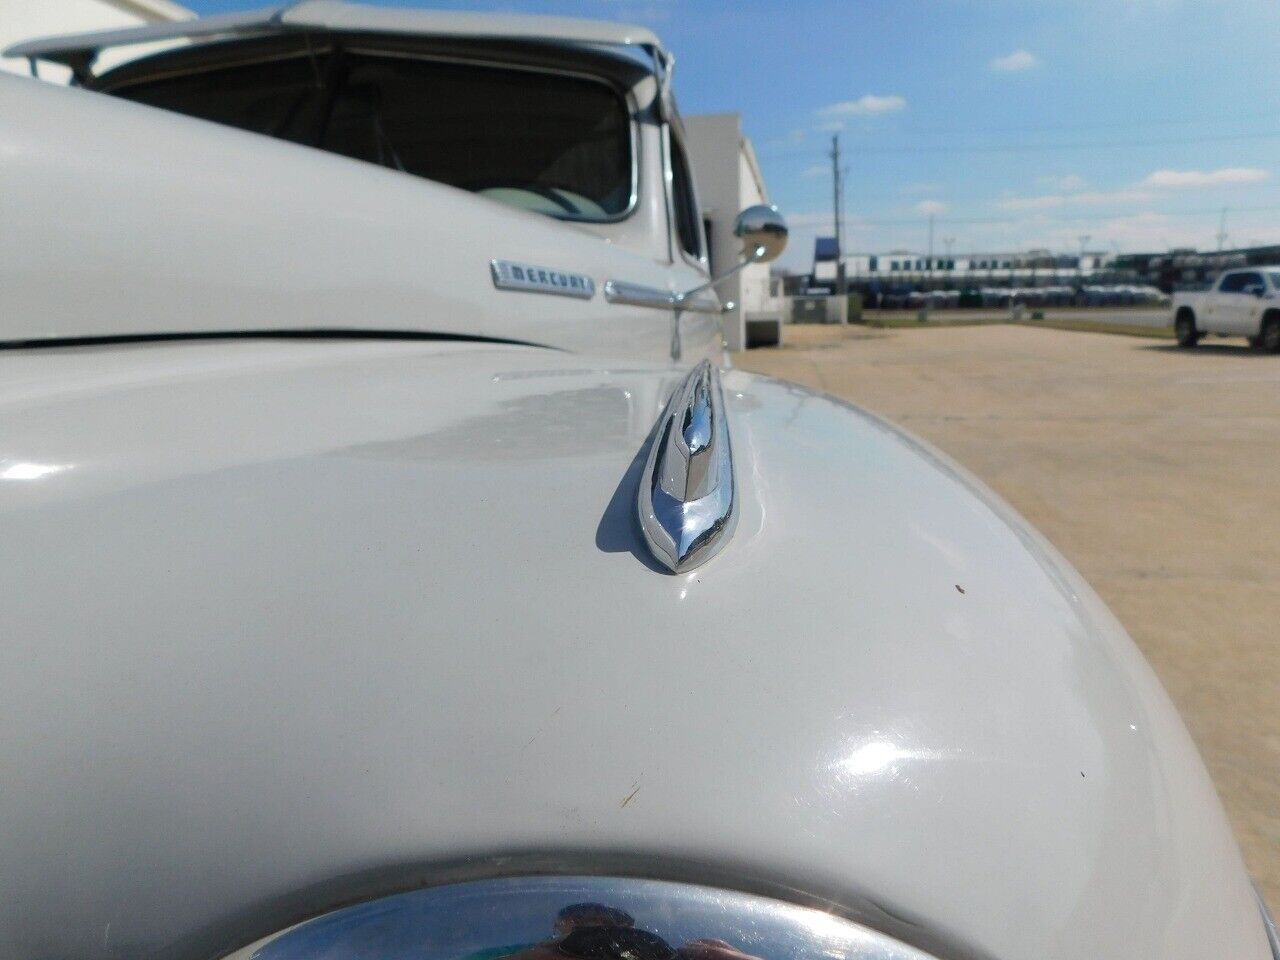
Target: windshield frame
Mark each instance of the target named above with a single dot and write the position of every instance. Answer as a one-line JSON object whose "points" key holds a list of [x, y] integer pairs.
{"points": [[369, 46]]}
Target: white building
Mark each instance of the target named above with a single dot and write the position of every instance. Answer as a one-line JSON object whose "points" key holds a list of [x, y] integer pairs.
{"points": [[728, 179], [30, 19], [902, 267]]}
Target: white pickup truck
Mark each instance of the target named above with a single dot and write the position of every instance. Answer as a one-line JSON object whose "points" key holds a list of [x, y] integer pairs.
{"points": [[1243, 303]]}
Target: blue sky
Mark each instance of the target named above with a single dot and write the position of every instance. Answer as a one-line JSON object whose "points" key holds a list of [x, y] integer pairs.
{"points": [[1015, 123]]}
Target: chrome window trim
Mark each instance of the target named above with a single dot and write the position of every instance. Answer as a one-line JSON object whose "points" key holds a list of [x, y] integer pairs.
{"points": [[702, 262], [627, 95], [553, 916]]}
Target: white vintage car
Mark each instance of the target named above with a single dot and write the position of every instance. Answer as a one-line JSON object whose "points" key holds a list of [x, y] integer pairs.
{"points": [[388, 574]]}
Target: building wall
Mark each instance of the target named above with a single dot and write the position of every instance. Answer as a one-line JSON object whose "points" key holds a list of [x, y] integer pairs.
{"points": [[30, 19], [728, 179], [753, 284]]}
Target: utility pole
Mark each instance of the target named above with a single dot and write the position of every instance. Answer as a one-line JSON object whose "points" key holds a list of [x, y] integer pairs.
{"points": [[947, 242], [837, 197], [1222, 234], [1084, 240]]}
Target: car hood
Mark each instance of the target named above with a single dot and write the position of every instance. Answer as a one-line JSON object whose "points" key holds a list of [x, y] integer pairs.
{"points": [[292, 624]]}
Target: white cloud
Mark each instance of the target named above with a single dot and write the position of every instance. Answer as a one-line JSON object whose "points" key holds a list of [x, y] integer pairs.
{"points": [[1190, 179], [1014, 62], [1092, 198], [1070, 183], [816, 221], [867, 105], [930, 208], [817, 170]]}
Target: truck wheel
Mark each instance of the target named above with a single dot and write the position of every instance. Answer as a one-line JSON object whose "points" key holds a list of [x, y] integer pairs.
{"points": [[1184, 328], [1269, 339]]}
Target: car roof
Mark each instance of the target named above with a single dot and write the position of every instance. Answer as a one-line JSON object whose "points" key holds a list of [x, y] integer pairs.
{"points": [[78, 51]]}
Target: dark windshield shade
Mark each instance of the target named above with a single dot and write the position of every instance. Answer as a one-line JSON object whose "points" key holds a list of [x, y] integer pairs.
{"points": [[556, 144]]}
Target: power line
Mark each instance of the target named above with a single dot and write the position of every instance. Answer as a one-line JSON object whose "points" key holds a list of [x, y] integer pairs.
{"points": [[1093, 125], [922, 221], [981, 148], [1093, 145]]}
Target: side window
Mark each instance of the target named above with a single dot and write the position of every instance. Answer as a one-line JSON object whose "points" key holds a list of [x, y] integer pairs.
{"points": [[1252, 280], [1232, 283], [685, 201]]}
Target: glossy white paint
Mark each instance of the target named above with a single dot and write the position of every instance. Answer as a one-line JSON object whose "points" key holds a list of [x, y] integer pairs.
{"points": [[123, 219], [288, 624], [334, 15]]}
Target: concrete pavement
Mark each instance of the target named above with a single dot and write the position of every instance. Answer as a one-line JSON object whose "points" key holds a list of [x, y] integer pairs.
{"points": [[1154, 469]]}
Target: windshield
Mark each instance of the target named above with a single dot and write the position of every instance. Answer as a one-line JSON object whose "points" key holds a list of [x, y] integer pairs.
{"points": [[556, 144]]}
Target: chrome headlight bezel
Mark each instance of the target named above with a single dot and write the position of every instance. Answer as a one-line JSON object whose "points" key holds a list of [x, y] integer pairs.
{"points": [[547, 918]]}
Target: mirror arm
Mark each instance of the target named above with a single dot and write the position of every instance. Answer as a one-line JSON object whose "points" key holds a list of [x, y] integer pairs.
{"points": [[756, 255]]}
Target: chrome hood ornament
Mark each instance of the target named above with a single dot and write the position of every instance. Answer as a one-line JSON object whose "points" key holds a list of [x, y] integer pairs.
{"points": [[688, 505]]}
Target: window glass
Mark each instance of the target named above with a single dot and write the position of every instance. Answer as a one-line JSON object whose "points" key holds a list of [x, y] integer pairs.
{"points": [[558, 145], [685, 201], [1252, 280], [1233, 283]]}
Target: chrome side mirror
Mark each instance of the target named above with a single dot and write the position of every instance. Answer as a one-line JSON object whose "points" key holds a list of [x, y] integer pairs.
{"points": [[763, 233]]}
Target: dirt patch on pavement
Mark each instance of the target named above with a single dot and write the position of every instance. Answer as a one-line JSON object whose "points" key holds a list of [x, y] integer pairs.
{"points": [[1155, 470]]}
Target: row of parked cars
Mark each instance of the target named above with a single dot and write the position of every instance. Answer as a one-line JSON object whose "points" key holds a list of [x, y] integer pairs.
{"points": [[1059, 296]]}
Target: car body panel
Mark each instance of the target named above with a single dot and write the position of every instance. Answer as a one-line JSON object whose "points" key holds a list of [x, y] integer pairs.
{"points": [[294, 624], [166, 224]]}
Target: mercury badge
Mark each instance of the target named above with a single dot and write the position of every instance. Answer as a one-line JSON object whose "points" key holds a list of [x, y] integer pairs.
{"points": [[508, 275]]}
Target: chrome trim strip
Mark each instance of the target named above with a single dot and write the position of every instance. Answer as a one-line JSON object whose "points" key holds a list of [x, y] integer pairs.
{"points": [[687, 503], [1268, 923], [640, 295], [530, 278]]}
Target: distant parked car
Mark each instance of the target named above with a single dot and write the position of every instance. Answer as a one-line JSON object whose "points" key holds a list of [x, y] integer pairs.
{"points": [[1240, 303]]}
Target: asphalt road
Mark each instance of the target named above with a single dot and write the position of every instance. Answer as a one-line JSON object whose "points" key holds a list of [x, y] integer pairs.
{"points": [[1153, 469]]}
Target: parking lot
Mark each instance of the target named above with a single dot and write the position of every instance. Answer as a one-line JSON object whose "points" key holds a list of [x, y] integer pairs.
{"points": [[1153, 469]]}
